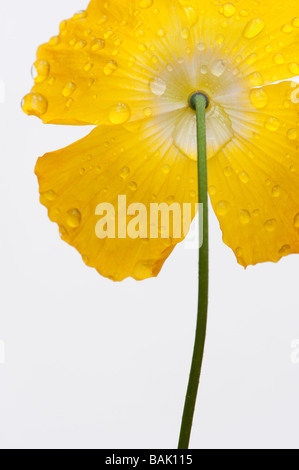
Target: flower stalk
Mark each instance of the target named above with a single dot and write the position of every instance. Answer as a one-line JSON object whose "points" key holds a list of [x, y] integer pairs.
{"points": [[199, 102]]}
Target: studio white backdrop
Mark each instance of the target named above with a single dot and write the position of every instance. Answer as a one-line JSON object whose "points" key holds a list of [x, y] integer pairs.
{"points": [[87, 363]]}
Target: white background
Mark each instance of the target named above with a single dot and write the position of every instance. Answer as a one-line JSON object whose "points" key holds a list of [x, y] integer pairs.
{"points": [[93, 364]]}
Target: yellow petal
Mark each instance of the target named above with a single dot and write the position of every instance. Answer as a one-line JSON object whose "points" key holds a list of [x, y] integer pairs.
{"points": [[254, 180], [258, 40], [138, 162], [104, 61], [125, 61]]}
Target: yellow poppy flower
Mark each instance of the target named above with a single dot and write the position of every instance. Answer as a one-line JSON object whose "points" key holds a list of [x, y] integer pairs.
{"points": [[129, 68]]}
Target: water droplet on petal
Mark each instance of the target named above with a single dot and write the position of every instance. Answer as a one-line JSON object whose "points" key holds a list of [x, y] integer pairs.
{"points": [[148, 112], [295, 22], [219, 68], [278, 59], [253, 28], [119, 114], [110, 68], [145, 3], [73, 218], [40, 71], [54, 41], [292, 134], [256, 79], [80, 15], [35, 104], [258, 98], [201, 47], [185, 33], [88, 67], [222, 208], [212, 190], [166, 169], [69, 89], [276, 191], [157, 86], [296, 221], [284, 250], [294, 68], [245, 217], [97, 44], [228, 10], [287, 28], [272, 124], [133, 186], [271, 225], [243, 176], [49, 196], [124, 172]]}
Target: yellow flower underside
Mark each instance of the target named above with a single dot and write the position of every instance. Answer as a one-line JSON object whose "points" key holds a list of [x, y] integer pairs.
{"points": [[129, 68]]}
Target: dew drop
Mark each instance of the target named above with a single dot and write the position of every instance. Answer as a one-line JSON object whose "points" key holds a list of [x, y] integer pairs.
{"points": [[40, 71], [251, 59], [276, 191], [295, 22], [296, 221], [124, 172], [245, 217], [133, 186], [148, 112], [119, 113], [73, 218], [185, 33], [97, 44], [256, 79], [166, 169], [69, 89], [218, 68], [192, 15], [49, 196], [278, 59], [271, 225], [157, 86], [88, 67], [284, 249], [220, 39], [292, 134], [294, 68], [145, 3], [287, 28], [258, 98], [110, 68], [228, 10], [69, 103], [35, 104], [212, 190], [54, 41], [272, 124], [243, 176], [222, 208], [80, 44], [80, 15], [253, 28]]}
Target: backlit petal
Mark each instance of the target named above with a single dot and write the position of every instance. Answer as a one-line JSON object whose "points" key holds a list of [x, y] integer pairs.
{"points": [[139, 162], [254, 180]]}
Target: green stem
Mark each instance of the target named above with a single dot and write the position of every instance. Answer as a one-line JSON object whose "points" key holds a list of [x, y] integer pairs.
{"points": [[200, 104]]}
